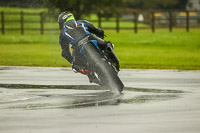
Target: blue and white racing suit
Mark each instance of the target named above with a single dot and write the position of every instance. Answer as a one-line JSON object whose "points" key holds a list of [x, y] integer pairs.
{"points": [[73, 31]]}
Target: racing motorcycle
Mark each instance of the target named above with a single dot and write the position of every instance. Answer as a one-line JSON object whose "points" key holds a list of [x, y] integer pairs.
{"points": [[101, 66]]}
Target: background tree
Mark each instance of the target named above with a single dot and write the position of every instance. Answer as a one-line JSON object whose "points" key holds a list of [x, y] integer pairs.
{"points": [[156, 4], [22, 3], [84, 7]]}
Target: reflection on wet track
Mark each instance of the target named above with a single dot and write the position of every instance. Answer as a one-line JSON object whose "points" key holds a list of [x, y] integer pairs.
{"points": [[55, 100], [34, 97]]}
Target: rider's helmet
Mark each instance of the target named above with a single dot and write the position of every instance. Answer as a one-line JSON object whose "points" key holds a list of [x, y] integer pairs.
{"points": [[64, 17]]}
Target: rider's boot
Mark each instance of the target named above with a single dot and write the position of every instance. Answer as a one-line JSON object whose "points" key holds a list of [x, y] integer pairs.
{"points": [[77, 68]]}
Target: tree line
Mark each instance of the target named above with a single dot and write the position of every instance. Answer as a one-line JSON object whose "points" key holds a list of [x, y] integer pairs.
{"points": [[109, 7], [85, 7], [156, 4]]}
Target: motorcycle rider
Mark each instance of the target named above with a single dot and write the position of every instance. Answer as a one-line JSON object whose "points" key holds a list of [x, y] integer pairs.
{"points": [[73, 32]]}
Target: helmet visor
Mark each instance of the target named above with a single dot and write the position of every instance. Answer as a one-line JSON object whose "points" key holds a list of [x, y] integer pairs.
{"points": [[70, 17]]}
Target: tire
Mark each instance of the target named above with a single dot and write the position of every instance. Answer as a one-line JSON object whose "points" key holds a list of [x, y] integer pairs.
{"points": [[107, 75]]}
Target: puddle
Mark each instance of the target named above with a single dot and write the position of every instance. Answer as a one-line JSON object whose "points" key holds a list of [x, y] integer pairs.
{"points": [[28, 86], [34, 97], [153, 90], [5, 68], [149, 98]]}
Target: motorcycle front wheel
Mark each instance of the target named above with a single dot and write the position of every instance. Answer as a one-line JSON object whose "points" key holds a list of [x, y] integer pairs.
{"points": [[105, 73]]}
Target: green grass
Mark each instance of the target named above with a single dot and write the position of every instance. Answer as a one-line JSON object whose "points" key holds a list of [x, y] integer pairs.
{"points": [[161, 50], [31, 55], [15, 18]]}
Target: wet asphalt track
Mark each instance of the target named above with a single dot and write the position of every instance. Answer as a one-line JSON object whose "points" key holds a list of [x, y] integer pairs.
{"points": [[56, 100]]}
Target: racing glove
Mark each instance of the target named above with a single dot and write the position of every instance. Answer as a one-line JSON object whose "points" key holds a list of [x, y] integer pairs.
{"points": [[100, 34]]}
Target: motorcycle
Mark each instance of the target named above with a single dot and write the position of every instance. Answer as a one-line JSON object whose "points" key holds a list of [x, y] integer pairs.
{"points": [[101, 65]]}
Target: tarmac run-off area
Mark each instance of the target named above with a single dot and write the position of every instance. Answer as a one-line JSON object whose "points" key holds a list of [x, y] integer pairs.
{"points": [[57, 100]]}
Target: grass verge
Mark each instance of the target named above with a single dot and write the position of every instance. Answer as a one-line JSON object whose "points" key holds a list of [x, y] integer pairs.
{"points": [[161, 50]]}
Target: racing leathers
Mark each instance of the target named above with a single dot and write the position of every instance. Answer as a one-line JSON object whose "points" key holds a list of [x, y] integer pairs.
{"points": [[74, 31]]}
